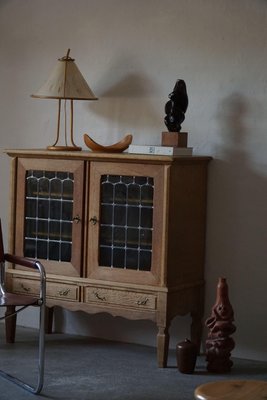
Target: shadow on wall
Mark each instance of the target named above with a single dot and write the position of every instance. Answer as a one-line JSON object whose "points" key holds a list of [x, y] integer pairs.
{"points": [[128, 102], [130, 86], [237, 233]]}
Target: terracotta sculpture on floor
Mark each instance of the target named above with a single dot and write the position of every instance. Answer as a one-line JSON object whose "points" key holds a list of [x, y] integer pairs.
{"points": [[220, 325]]}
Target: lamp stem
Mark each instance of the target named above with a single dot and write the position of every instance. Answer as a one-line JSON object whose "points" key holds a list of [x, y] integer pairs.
{"points": [[65, 122], [71, 123], [72, 146], [58, 122]]}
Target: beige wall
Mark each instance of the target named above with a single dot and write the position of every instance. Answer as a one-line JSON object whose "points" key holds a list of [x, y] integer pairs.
{"points": [[131, 52]]}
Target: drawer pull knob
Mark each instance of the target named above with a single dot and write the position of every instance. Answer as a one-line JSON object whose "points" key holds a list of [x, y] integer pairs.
{"points": [[64, 292], [99, 297], [142, 302], [76, 219], [94, 220]]}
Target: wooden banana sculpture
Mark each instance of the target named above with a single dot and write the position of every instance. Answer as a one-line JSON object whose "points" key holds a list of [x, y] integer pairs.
{"points": [[118, 147]]}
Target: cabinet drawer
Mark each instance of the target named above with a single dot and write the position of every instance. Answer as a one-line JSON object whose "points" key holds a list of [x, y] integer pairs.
{"points": [[53, 290], [120, 297]]}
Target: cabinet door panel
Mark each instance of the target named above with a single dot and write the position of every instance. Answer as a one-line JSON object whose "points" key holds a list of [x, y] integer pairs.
{"points": [[49, 213], [126, 222]]}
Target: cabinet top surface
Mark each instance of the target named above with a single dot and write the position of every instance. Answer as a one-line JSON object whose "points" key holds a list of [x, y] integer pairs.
{"points": [[88, 155]]}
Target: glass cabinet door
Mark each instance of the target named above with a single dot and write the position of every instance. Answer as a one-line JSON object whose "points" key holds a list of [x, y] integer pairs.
{"points": [[125, 221], [49, 213]]}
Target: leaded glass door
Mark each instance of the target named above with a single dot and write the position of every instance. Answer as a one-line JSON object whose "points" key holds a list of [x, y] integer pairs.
{"points": [[50, 213], [125, 207]]}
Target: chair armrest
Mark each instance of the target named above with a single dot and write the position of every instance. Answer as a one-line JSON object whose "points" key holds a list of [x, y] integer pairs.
{"points": [[25, 262]]}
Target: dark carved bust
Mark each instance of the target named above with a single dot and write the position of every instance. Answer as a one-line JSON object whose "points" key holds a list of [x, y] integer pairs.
{"points": [[176, 107]]}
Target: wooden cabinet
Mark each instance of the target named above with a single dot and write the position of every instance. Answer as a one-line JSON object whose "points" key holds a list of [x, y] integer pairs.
{"points": [[117, 233]]}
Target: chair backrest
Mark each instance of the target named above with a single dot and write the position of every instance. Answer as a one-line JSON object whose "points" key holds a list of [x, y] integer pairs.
{"points": [[2, 254]]}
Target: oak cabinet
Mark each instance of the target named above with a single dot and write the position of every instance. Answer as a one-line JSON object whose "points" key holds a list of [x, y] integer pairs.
{"points": [[117, 233]]}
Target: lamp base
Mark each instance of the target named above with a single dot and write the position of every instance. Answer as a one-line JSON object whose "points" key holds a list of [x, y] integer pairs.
{"points": [[64, 148]]}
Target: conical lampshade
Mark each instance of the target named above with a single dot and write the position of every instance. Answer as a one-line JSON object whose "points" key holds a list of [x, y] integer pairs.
{"points": [[65, 82]]}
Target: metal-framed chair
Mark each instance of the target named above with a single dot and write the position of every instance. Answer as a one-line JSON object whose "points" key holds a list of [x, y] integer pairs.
{"points": [[12, 301]]}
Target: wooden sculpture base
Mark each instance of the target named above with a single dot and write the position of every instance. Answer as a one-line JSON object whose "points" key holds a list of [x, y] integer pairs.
{"points": [[175, 139]]}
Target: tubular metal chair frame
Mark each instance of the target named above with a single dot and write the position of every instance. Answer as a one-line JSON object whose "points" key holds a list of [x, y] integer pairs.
{"points": [[8, 299]]}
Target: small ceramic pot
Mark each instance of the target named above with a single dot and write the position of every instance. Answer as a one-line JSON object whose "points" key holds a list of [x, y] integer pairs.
{"points": [[186, 355]]}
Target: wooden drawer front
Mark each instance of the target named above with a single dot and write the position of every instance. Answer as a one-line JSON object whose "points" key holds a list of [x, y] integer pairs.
{"points": [[120, 297], [25, 286], [63, 291], [53, 290]]}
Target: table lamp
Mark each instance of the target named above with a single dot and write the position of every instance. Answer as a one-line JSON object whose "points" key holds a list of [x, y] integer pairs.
{"points": [[65, 83]]}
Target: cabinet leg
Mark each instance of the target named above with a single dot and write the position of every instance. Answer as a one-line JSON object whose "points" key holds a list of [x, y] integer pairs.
{"points": [[49, 314], [10, 324], [196, 329], [163, 338]]}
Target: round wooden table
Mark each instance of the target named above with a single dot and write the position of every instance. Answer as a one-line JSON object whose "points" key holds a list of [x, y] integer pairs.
{"points": [[232, 390]]}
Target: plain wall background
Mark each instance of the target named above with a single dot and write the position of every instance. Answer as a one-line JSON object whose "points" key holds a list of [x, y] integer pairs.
{"points": [[131, 52]]}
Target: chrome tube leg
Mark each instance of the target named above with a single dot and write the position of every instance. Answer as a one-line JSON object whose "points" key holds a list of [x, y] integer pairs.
{"points": [[42, 320], [41, 353], [41, 350]]}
